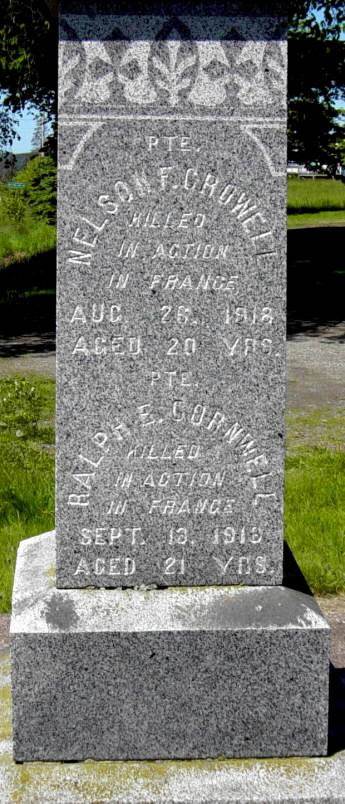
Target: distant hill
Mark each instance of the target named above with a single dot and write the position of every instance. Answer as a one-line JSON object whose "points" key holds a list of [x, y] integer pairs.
{"points": [[20, 160]]}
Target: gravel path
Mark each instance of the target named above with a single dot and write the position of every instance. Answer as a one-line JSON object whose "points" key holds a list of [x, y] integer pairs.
{"points": [[316, 368], [28, 354]]}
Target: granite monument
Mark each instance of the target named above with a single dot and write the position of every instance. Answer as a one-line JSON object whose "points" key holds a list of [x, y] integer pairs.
{"points": [[171, 364], [170, 404]]}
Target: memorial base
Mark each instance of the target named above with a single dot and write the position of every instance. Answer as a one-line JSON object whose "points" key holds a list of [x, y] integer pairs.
{"points": [[172, 673]]}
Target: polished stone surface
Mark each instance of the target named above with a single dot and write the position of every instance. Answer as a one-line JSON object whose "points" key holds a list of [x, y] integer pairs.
{"points": [[171, 297], [173, 673]]}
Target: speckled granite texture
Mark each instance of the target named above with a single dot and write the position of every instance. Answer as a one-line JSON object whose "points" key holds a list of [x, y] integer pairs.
{"points": [[263, 781], [180, 673], [171, 296], [294, 780], [254, 8]]}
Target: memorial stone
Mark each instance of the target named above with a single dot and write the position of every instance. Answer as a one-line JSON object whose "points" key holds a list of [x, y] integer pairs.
{"points": [[171, 311], [170, 405]]}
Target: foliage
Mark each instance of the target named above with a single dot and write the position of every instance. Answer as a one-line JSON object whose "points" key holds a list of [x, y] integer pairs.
{"points": [[28, 66], [39, 133], [316, 82], [12, 205], [25, 239], [7, 135], [28, 72], [315, 132], [26, 468], [27, 214], [305, 20], [39, 179]]}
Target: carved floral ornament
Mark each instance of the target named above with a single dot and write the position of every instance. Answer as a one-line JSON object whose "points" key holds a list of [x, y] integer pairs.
{"points": [[171, 69]]}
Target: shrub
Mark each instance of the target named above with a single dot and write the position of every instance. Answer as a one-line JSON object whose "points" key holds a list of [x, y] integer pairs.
{"points": [[12, 204], [39, 178]]}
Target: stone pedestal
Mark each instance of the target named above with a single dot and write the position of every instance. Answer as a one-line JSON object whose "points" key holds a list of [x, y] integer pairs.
{"points": [[172, 673]]}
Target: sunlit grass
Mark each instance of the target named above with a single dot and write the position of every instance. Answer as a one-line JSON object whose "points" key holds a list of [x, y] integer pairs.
{"points": [[316, 219], [315, 195], [315, 495], [26, 469], [21, 240], [315, 516]]}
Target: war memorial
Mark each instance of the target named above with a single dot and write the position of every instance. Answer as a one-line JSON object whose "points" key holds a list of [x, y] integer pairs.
{"points": [[154, 625]]}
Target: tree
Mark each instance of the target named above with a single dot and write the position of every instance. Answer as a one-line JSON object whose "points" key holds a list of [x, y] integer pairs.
{"points": [[315, 85], [39, 179], [39, 134], [316, 82], [28, 65], [28, 71], [321, 19]]}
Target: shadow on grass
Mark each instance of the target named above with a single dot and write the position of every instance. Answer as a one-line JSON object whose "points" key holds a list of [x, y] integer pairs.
{"points": [[316, 279], [27, 305], [309, 210], [316, 290]]}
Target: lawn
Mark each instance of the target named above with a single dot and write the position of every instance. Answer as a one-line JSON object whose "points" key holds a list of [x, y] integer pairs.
{"points": [[314, 499], [19, 240], [315, 516], [315, 496], [310, 219], [315, 202], [26, 468]]}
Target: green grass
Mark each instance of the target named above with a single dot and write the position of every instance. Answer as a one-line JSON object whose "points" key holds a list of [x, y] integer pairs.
{"points": [[26, 468], [321, 428], [21, 240], [315, 516], [315, 496], [325, 218], [315, 195], [315, 202]]}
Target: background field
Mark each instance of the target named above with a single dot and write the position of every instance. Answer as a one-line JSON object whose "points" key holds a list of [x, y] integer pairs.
{"points": [[315, 201]]}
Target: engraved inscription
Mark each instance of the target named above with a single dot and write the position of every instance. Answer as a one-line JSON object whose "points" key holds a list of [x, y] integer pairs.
{"points": [[172, 323]]}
